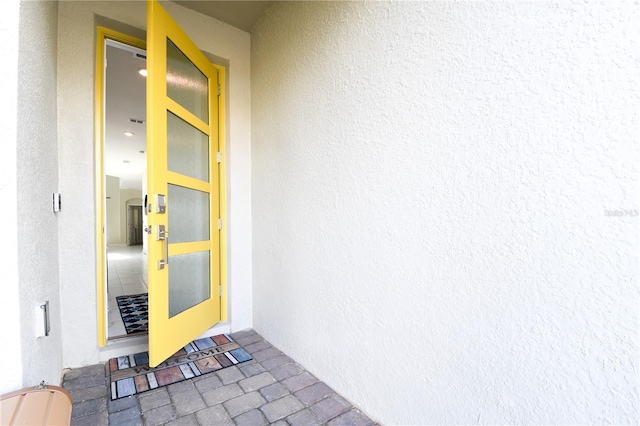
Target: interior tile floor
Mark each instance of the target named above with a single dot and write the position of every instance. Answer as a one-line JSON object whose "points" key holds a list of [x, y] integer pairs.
{"points": [[126, 274], [272, 389]]}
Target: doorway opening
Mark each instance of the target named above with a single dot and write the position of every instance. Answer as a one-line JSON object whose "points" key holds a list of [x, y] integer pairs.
{"points": [[124, 162], [134, 225]]}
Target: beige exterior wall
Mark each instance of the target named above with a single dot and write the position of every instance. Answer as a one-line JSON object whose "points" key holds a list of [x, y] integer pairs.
{"points": [[444, 196], [29, 177], [11, 362], [445, 206], [37, 181]]}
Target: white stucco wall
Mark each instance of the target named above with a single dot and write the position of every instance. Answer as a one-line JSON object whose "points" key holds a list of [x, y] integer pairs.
{"points": [[10, 364], [37, 180], [76, 57], [445, 206]]}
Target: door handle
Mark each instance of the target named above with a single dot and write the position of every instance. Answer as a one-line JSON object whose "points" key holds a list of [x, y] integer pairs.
{"points": [[163, 235], [166, 248]]}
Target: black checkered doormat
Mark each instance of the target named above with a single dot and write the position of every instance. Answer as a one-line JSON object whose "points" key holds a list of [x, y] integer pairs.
{"points": [[134, 312]]}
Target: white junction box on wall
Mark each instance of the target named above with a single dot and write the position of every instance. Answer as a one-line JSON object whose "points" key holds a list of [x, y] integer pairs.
{"points": [[57, 202]]}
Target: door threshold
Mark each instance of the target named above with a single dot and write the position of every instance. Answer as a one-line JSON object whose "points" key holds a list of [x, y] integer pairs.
{"points": [[140, 343], [124, 346], [125, 337]]}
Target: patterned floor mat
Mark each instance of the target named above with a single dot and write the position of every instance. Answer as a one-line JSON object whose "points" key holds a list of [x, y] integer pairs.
{"points": [[134, 312], [131, 374]]}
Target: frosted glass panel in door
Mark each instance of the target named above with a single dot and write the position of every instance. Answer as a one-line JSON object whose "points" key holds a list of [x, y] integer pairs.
{"points": [[186, 84], [187, 149], [188, 214], [188, 281]]}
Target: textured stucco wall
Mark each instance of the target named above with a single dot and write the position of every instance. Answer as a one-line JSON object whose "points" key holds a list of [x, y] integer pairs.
{"points": [[10, 364], [445, 206], [76, 58], [37, 180]]}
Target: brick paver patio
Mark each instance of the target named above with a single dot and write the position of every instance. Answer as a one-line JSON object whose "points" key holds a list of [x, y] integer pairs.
{"points": [[270, 389]]}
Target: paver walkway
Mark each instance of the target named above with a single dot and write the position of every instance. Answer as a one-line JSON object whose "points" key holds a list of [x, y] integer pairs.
{"points": [[270, 389]]}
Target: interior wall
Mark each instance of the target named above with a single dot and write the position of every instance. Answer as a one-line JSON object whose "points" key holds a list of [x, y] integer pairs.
{"points": [[37, 180], [10, 364], [112, 209], [445, 206], [76, 59]]}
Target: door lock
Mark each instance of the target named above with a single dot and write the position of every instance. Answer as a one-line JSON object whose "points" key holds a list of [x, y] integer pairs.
{"points": [[161, 203], [162, 233]]}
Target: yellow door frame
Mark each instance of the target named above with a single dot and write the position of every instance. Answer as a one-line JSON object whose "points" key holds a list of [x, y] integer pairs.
{"points": [[103, 34]]}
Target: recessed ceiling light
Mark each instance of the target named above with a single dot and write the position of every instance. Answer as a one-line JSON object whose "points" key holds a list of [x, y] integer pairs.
{"points": [[128, 133], [142, 71], [126, 161], [141, 152]]}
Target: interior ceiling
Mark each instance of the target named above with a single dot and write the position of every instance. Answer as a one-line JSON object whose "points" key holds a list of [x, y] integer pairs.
{"points": [[240, 14], [126, 99]]}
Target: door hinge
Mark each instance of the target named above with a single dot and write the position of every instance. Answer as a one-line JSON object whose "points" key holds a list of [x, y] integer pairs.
{"points": [[219, 157], [220, 291], [218, 90], [219, 223]]}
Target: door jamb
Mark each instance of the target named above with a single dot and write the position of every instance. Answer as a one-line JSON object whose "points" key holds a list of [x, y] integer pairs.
{"points": [[222, 189]]}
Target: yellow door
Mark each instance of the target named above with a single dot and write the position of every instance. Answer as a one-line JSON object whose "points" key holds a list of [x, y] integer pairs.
{"points": [[183, 186]]}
